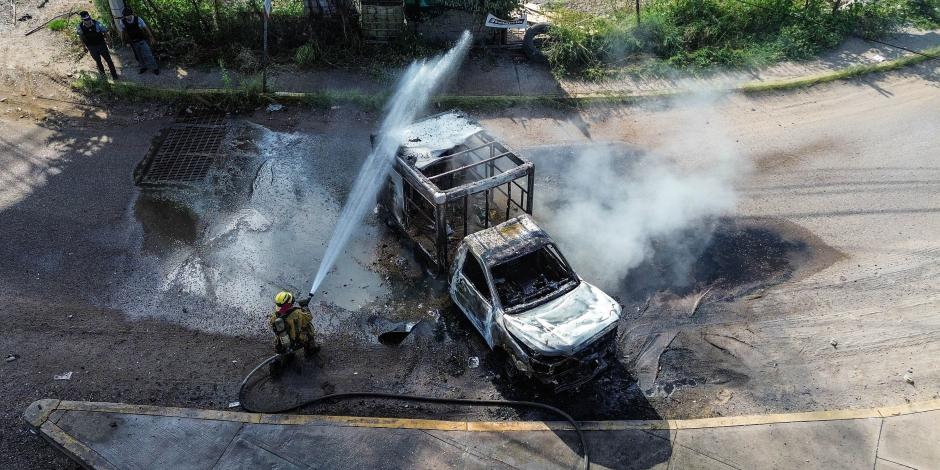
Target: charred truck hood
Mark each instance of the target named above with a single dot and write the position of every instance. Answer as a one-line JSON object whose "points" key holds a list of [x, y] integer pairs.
{"points": [[566, 325]]}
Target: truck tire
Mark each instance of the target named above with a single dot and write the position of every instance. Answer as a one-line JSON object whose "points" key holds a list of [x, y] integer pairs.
{"points": [[528, 42], [502, 362]]}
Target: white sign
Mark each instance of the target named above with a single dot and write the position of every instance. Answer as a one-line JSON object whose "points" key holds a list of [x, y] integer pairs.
{"points": [[494, 22]]}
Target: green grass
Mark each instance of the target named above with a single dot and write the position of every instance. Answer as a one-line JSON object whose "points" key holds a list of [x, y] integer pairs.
{"points": [[248, 96], [67, 27], [58, 24], [697, 35], [843, 74]]}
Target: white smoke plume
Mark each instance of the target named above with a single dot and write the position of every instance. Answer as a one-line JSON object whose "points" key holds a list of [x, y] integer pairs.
{"points": [[618, 206]]}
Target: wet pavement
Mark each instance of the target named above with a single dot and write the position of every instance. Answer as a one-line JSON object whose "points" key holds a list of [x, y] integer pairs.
{"points": [[208, 256], [258, 225]]}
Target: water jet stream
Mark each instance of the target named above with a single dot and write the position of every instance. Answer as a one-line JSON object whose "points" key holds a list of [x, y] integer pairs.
{"points": [[411, 96]]}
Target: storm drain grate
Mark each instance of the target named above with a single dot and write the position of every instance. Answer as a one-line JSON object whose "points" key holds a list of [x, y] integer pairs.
{"points": [[185, 153], [201, 120]]}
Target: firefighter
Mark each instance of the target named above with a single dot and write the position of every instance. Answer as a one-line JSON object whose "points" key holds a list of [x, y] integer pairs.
{"points": [[293, 326]]}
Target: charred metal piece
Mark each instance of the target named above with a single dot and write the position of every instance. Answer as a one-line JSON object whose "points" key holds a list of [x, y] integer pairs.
{"points": [[397, 334]]}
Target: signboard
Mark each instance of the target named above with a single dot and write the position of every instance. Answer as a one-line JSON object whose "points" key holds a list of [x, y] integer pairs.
{"points": [[494, 22]]}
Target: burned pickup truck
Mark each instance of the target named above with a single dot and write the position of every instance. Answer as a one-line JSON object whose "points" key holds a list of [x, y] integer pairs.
{"points": [[464, 201]]}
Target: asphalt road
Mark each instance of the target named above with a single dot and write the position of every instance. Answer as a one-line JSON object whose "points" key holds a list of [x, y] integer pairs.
{"points": [[844, 176], [847, 173]]}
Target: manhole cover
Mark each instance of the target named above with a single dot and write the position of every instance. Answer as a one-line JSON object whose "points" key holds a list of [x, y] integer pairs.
{"points": [[186, 151]]}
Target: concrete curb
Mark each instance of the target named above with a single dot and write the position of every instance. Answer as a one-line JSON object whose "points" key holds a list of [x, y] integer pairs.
{"points": [[42, 413], [39, 415]]}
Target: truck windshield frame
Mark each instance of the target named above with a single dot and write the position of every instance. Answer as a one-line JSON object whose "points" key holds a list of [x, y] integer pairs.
{"points": [[532, 278]]}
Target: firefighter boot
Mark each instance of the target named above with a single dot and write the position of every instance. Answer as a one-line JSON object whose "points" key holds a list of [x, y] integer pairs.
{"points": [[311, 348]]}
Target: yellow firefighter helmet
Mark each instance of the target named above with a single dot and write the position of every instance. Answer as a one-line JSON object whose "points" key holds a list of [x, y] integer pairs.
{"points": [[283, 297]]}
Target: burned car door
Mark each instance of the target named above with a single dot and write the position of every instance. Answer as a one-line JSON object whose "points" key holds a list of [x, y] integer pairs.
{"points": [[471, 292]]}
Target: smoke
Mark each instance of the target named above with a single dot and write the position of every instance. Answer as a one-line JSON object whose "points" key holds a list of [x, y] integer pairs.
{"points": [[411, 97], [619, 206]]}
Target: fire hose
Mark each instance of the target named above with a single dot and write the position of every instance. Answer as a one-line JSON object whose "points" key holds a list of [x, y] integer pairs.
{"points": [[586, 459]]}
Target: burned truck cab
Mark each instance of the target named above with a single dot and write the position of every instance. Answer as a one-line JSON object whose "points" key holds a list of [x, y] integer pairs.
{"points": [[518, 290]]}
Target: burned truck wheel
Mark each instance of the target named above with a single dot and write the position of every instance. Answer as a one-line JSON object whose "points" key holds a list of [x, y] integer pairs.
{"points": [[503, 362], [533, 41]]}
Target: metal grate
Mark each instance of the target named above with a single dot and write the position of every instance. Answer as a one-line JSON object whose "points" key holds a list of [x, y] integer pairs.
{"points": [[201, 120], [186, 152]]}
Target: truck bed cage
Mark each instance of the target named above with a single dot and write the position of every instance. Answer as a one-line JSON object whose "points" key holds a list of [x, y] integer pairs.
{"points": [[455, 179]]}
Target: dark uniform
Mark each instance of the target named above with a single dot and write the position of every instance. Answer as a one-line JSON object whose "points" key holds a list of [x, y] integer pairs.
{"points": [[138, 35], [93, 36]]}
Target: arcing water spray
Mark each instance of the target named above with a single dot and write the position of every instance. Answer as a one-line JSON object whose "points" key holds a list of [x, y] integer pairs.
{"points": [[411, 96]]}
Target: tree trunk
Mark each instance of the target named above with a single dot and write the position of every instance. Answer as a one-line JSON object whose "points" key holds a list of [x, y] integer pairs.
{"points": [[836, 4], [199, 19], [216, 8]]}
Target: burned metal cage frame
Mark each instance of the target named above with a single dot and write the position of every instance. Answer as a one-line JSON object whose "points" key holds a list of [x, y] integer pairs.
{"points": [[437, 197]]}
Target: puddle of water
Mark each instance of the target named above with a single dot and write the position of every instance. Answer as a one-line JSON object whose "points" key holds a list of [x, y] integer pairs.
{"points": [[213, 259], [171, 223]]}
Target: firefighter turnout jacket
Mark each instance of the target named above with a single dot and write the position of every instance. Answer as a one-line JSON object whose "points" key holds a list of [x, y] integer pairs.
{"points": [[299, 323]]}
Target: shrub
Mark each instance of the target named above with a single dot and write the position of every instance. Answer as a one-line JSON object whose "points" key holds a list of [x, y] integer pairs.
{"points": [[205, 30], [876, 19], [307, 56], [58, 24], [705, 33], [245, 60], [925, 13]]}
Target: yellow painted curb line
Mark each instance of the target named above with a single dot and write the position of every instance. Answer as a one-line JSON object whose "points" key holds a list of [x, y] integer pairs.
{"points": [[50, 406]]}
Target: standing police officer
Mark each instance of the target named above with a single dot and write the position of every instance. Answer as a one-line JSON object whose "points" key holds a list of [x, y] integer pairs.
{"points": [[95, 37], [139, 36]]}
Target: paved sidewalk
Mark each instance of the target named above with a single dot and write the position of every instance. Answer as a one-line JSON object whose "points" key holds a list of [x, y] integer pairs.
{"points": [[114, 435], [502, 75]]}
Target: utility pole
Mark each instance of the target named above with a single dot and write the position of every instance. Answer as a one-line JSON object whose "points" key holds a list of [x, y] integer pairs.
{"points": [[117, 11], [264, 48], [637, 12]]}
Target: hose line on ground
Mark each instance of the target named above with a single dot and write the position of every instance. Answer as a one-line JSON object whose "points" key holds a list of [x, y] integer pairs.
{"points": [[586, 459]]}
